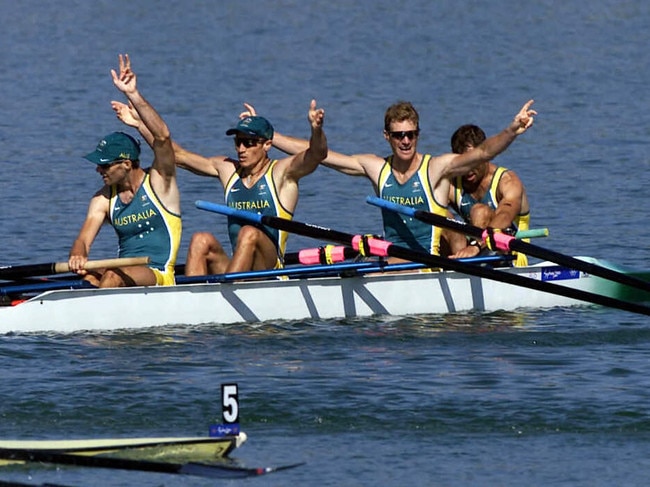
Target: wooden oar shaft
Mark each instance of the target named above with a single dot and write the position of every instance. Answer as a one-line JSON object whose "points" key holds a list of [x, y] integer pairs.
{"points": [[424, 258], [30, 270], [516, 245], [91, 265]]}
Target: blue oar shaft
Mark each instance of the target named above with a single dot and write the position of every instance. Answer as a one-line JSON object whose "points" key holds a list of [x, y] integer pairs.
{"points": [[424, 258], [298, 271], [41, 287], [358, 268]]}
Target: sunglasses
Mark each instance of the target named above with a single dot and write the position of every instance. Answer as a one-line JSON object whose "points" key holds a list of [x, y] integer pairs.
{"points": [[111, 164], [399, 135], [246, 141]]}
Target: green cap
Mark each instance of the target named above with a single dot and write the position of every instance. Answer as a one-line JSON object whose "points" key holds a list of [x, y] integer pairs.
{"points": [[255, 126], [114, 147]]}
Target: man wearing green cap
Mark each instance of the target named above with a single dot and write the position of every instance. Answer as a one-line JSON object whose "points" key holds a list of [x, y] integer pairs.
{"points": [[142, 205], [252, 182]]}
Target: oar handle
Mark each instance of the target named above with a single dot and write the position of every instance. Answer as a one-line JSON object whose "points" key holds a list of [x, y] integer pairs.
{"points": [[532, 233], [61, 267]]}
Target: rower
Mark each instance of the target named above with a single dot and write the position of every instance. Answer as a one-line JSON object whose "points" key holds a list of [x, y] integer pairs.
{"points": [[253, 181], [486, 196], [142, 205]]}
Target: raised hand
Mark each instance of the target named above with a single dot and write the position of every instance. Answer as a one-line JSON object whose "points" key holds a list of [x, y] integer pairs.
{"points": [[316, 115], [126, 113], [524, 119], [126, 81], [249, 112]]}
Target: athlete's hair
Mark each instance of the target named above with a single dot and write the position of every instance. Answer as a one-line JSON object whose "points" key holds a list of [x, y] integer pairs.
{"points": [[399, 112], [465, 136]]}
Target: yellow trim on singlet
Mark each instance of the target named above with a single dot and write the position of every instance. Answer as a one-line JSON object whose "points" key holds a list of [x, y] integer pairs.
{"points": [[521, 222], [174, 224], [281, 211]]}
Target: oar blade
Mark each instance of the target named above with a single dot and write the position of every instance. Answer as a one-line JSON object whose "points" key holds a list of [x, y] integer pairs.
{"points": [[226, 471], [208, 470]]}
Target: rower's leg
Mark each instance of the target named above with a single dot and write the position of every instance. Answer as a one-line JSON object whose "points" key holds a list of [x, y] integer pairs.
{"points": [[255, 251], [205, 256]]}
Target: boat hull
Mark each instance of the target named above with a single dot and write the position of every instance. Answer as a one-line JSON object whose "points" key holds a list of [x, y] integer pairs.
{"points": [[297, 299], [170, 449]]}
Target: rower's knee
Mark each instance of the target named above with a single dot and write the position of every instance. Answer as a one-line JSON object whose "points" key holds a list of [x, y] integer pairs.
{"points": [[480, 215], [205, 255], [255, 251], [249, 236], [115, 278], [202, 242]]}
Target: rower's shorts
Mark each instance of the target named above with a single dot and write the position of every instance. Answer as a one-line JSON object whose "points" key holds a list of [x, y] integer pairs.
{"points": [[164, 278]]}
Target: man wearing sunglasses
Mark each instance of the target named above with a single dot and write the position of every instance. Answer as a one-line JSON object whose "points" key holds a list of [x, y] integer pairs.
{"points": [[142, 205], [251, 182], [410, 178]]}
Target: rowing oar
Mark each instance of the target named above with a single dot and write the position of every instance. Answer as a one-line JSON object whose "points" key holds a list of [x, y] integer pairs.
{"points": [[508, 243], [305, 271], [31, 270], [386, 249], [213, 470], [13, 483]]}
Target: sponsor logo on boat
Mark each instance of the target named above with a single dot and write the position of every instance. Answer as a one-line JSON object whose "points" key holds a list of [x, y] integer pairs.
{"points": [[559, 274], [218, 430]]}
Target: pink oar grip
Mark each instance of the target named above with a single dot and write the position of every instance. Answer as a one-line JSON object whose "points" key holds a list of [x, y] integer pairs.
{"points": [[322, 255], [376, 246], [501, 239]]}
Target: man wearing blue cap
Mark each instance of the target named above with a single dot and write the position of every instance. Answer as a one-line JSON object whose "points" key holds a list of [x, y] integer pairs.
{"points": [[253, 182], [142, 205]]}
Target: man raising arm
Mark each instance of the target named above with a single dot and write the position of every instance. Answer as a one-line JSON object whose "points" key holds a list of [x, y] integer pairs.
{"points": [[143, 206], [253, 182], [486, 196], [409, 177]]}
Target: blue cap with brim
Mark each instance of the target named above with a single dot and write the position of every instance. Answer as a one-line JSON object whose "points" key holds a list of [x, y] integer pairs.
{"points": [[115, 147], [254, 126]]}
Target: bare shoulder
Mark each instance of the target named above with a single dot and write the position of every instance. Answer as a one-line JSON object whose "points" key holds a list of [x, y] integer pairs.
{"points": [[221, 161], [443, 158], [440, 164], [104, 193], [510, 177], [99, 203], [225, 166]]}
